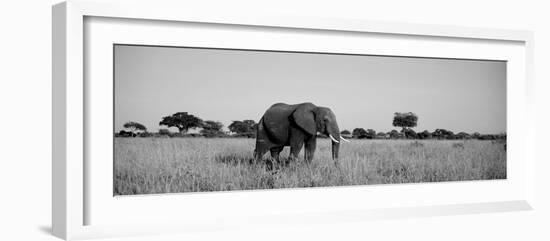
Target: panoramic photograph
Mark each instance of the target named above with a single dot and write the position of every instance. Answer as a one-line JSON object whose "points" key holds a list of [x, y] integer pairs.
{"points": [[204, 119]]}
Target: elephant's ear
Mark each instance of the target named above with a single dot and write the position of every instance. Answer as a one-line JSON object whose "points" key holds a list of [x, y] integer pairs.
{"points": [[303, 116]]}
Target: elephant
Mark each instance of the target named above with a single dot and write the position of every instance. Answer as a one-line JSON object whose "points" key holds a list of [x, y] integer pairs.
{"points": [[295, 126]]}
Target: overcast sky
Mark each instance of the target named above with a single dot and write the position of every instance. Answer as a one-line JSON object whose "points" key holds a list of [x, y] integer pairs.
{"points": [[363, 91]]}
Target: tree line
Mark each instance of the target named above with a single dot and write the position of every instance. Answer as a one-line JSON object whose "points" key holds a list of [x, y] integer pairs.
{"points": [[409, 120], [184, 121]]}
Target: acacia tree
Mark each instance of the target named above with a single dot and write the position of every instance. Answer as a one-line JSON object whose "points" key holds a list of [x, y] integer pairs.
{"points": [[134, 126], [371, 134], [463, 135], [410, 134], [181, 120], [380, 135], [164, 132], [405, 120], [243, 128], [212, 128], [359, 133], [424, 135], [394, 134], [345, 133], [443, 134]]}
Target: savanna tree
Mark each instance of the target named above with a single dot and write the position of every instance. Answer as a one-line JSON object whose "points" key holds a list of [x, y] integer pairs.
{"points": [[405, 120], [371, 134], [212, 128], [409, 133], [359, 133], [394, 134], [244, 128], [123, 133], [181, 120], [463, 135], [424, 135], [164, 132], [345, 133], [443, 134], [488, 137], [134, 126]]}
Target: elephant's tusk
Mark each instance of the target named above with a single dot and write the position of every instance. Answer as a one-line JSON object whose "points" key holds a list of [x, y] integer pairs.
{"points": [[343, 139], [333, 139]]}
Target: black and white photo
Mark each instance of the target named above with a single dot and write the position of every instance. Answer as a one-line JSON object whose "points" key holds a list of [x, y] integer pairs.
{"points": [[204, 119]]}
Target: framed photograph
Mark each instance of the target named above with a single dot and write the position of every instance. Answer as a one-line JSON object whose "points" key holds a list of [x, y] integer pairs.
{"points": [[168, 119]]}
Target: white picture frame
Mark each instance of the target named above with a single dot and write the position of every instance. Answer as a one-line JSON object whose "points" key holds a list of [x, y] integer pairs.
{"points": [[78, 195]]}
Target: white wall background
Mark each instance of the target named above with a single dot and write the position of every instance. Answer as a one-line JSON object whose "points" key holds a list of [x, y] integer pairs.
{"points": [[25, 92]]}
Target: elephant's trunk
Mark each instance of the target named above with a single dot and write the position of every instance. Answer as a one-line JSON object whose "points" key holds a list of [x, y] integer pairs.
{"points": [[335, 139], [335, 149]]}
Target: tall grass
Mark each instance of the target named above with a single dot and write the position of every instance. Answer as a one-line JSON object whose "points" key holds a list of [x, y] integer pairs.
{"points": [[158, 165]]}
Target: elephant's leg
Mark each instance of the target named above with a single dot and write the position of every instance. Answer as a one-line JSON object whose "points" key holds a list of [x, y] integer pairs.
{"points": [[295, 148], [296, 142], [310, 146], [274, 157], [275, 151], [259, 152]]}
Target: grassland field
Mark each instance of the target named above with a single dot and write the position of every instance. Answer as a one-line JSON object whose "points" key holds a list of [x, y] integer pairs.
{"points": [[174, 165]]}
